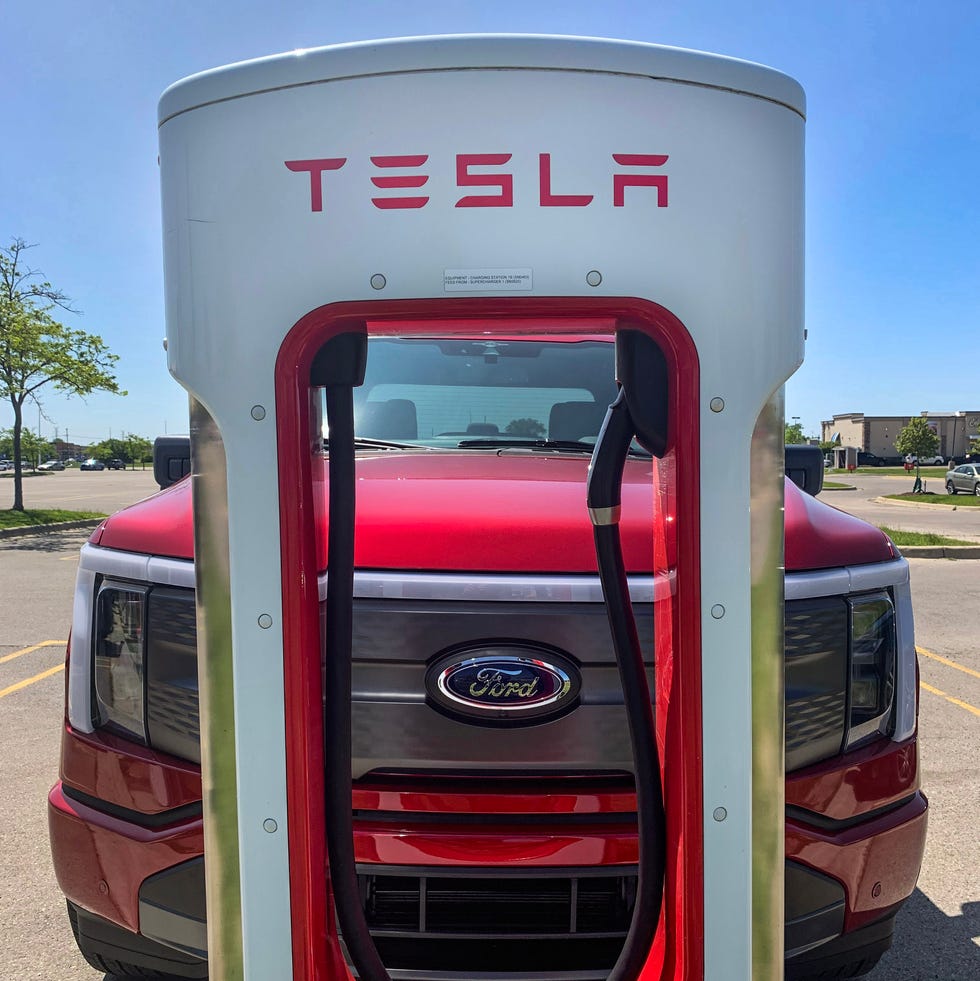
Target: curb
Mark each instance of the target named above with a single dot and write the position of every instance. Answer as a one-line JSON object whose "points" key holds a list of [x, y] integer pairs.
{"points": [[940, 551], [24, 530], [913, 504]]}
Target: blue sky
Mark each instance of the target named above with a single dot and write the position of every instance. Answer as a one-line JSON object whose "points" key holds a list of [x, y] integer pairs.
{"points": [[893, 169]]}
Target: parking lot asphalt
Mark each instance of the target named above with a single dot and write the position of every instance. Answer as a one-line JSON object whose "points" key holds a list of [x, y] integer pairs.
{"points": [[76, 490], [938, 930]]}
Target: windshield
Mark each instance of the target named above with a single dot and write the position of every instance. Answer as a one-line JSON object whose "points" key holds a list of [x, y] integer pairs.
{"points": [[462, 393]]}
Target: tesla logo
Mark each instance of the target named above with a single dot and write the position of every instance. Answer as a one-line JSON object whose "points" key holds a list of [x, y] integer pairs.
{"points": [[483, 170]]}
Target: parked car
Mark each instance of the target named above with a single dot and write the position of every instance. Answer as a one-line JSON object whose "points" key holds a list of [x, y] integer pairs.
{"points": [[965, 477], [6, 465], [52, 465], [870, 460], [911, 460], [116, 465], [92, 464]]}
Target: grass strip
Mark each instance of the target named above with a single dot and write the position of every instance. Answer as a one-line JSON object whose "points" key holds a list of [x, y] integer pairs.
{"points": [[52, 516], [927, 472], [921, 538], [959, 500]]}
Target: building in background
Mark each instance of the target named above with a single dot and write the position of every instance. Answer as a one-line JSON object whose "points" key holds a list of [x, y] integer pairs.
{"points": [[877, 434], [64, 450]]}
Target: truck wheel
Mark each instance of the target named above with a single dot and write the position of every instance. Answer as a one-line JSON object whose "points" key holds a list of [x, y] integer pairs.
{"points": [[950, 489]]}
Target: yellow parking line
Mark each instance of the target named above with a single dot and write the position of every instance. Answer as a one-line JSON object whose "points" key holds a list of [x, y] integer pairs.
{"points": [[947, 662], [40, 677], [35, 647], [934, 691]]}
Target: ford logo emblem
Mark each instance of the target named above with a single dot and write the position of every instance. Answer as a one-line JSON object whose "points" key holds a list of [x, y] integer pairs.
{"points": [[503, 684]]}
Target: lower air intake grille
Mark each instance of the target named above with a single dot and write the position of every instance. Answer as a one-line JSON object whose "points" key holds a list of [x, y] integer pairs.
{"points": [[472, 923]]}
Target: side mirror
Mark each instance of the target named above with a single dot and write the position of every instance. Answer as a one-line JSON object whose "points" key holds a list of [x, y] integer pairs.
{"points": [[804, 466], [171, 459]]}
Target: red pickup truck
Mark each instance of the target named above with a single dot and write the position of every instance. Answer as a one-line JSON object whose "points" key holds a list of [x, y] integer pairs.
{"points": [[472, 539]]}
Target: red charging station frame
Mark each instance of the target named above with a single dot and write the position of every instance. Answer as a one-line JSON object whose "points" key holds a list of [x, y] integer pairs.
{"points": [[678, 951]]}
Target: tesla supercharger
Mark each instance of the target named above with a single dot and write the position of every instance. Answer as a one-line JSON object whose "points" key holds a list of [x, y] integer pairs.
{"points": [[506, 185]]}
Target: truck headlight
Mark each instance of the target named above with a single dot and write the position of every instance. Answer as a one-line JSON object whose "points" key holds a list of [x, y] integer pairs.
{"points": [[841, 665], [119, 659], [872, 682]]}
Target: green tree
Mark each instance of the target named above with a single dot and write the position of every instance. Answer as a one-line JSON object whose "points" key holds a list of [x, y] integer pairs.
{"points": [[917, 440], [111, 449], [32, 447], [130, 448], [525, 427], [36, 350], [140, 450], [794, 434]]}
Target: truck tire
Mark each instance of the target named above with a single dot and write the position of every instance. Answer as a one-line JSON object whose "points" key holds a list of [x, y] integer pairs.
{"points": [[101, 943], [856, 969], [852, 955]]}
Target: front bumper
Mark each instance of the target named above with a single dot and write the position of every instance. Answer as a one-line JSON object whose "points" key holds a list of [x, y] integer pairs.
{"points": [[855, 833]]}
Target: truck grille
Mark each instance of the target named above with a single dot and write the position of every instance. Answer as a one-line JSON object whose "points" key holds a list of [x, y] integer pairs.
{"points": [[172, 710], [464, 922], [394, 727], [816, 679]]}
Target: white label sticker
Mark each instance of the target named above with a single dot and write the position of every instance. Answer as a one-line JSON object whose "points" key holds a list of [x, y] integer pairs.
{"points": [[486, 280]]}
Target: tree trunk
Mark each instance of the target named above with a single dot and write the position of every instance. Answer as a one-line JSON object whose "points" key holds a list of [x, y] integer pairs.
{"points": [[18, 474]]}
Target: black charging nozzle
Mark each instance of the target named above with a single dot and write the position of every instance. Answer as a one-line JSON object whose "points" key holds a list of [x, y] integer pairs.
{"points": [[339, 368], [640, 412]]}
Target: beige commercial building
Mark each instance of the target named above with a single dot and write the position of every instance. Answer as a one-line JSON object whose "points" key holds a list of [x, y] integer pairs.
{"points": [[877, 434]]}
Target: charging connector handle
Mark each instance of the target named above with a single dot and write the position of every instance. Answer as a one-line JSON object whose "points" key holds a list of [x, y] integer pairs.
{"points": [[339, 366], [605, 478], [604, 489]]}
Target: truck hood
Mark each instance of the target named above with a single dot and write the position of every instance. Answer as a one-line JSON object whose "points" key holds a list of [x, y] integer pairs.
{"points": [[489, 512], [461, 511], [818, 536]]}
